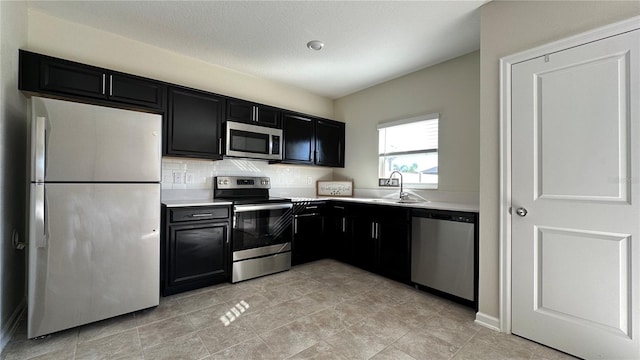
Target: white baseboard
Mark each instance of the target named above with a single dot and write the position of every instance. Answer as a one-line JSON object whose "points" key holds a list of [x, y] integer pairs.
{"points": [[12, 324], [487, 321]]}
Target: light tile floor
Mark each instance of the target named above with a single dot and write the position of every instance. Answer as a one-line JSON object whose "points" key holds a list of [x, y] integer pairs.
{"points": [[321, 310]]}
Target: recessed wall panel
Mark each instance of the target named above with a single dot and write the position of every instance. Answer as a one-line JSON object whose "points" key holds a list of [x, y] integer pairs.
{"points": [[584, 276], [582, 131]]}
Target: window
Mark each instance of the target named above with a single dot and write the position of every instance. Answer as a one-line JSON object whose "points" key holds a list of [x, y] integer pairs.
{"points": [[411, 147]]}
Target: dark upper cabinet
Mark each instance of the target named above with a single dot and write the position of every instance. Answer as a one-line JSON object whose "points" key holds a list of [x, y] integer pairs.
{"points": [[193, 123], [311, 140], [135, 90], [248, 112], [298, 134], [49, 75], [329, 143]]}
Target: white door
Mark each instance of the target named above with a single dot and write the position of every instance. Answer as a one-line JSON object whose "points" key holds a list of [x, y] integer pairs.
{"points": [[576, 174]]}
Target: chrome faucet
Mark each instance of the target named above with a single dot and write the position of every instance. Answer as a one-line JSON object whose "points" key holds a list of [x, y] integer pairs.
{"points": [[403, 195]]}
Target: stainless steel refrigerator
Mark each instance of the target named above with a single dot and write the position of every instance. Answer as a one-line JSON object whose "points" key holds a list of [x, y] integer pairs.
{"points": [[94, 203]]}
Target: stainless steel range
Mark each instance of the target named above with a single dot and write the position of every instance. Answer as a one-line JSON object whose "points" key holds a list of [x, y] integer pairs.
{"points": [[262, 226]]}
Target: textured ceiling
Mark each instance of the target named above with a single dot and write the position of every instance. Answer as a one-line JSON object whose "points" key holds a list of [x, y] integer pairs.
{"points": [[366, 42]]}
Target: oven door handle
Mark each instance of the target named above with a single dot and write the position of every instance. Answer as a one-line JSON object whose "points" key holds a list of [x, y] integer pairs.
{"points": [[246, 208]]}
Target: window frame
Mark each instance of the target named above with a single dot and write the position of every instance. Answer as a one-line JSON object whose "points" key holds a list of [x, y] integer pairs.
{"points": [[381, 156]]}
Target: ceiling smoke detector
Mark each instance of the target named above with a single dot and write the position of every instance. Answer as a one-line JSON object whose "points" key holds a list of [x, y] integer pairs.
{"points": [[316, 45]]}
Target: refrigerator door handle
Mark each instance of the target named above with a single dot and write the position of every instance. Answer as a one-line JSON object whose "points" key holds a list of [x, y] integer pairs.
{"points": [[40, 217], [40, 149]]}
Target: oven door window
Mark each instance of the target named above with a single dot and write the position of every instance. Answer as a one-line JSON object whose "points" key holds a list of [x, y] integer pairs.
{"points": [[259, 228], [251, 142]]}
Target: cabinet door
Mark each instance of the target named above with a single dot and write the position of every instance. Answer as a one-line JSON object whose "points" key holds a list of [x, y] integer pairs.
{"points": [[65, 77], [241, 111], [394, 252], [135, 90], [298, 139], [364, 241], [197, 253], [308, 238], [330, 143], [268, 116], [340, 235], [194, 123]]}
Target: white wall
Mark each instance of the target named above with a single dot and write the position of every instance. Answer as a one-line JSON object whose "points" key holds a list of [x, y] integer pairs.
{"points": [[67, 40], [452, 89], [508, 27], [13, 182]]}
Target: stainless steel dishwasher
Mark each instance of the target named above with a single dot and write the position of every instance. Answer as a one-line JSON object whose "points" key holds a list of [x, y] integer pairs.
{"points": [[444, 253]]}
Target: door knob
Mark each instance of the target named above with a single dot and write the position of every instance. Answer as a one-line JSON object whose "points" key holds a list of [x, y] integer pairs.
{"points": [[521, 211]]}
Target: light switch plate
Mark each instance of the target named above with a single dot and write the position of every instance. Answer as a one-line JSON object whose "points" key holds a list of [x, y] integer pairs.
{"points": [[385, 182]]}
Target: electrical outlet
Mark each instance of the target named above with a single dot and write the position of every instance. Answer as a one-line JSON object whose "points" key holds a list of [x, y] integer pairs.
{"points": [[178, 178], [385, 182], [167, 178], [188, 178]]}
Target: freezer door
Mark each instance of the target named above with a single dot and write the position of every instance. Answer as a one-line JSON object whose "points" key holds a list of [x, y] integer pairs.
{"points": [[94, 253], [73, 142]]}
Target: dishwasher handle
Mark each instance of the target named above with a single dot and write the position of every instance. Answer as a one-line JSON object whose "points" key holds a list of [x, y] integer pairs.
{"points": [[458, 217]]}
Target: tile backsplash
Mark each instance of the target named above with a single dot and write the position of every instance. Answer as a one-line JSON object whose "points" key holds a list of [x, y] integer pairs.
{"points": [[286, 180]]}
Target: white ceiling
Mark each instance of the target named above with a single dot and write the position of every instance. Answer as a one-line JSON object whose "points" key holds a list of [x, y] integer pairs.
{"points": [[366, 42]]}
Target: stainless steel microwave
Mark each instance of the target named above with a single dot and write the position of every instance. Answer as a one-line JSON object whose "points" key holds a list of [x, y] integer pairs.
{"points": [[252, 141]]}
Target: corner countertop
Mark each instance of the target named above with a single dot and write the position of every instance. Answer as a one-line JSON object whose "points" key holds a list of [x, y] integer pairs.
{"points": [[417, 204]]}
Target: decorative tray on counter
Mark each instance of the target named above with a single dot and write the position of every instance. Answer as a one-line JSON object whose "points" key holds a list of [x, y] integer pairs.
{"points": [[334, 188]]}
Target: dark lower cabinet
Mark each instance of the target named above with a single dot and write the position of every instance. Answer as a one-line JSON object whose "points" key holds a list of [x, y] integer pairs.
{"points": [[339, 231], [195, 248], [309, 242], [374, 238], [194, 123]]}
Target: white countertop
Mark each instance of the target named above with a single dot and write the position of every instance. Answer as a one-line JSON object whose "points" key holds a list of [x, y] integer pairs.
{"points": [[195, 202], [418, 204], [436, 205]]}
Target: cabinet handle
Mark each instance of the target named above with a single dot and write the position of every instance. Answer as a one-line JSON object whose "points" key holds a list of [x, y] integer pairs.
{"points": [[110, 85], [373, 230], [295, 226], [310, 207], [344, 224], [104, 82], [377, 231], [338, 207], [220, 146], [201, 215], [305, 215], [257, 114]]}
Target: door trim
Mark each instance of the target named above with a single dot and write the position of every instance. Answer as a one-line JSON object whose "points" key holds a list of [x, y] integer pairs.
{"points": [[505, 144]]}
